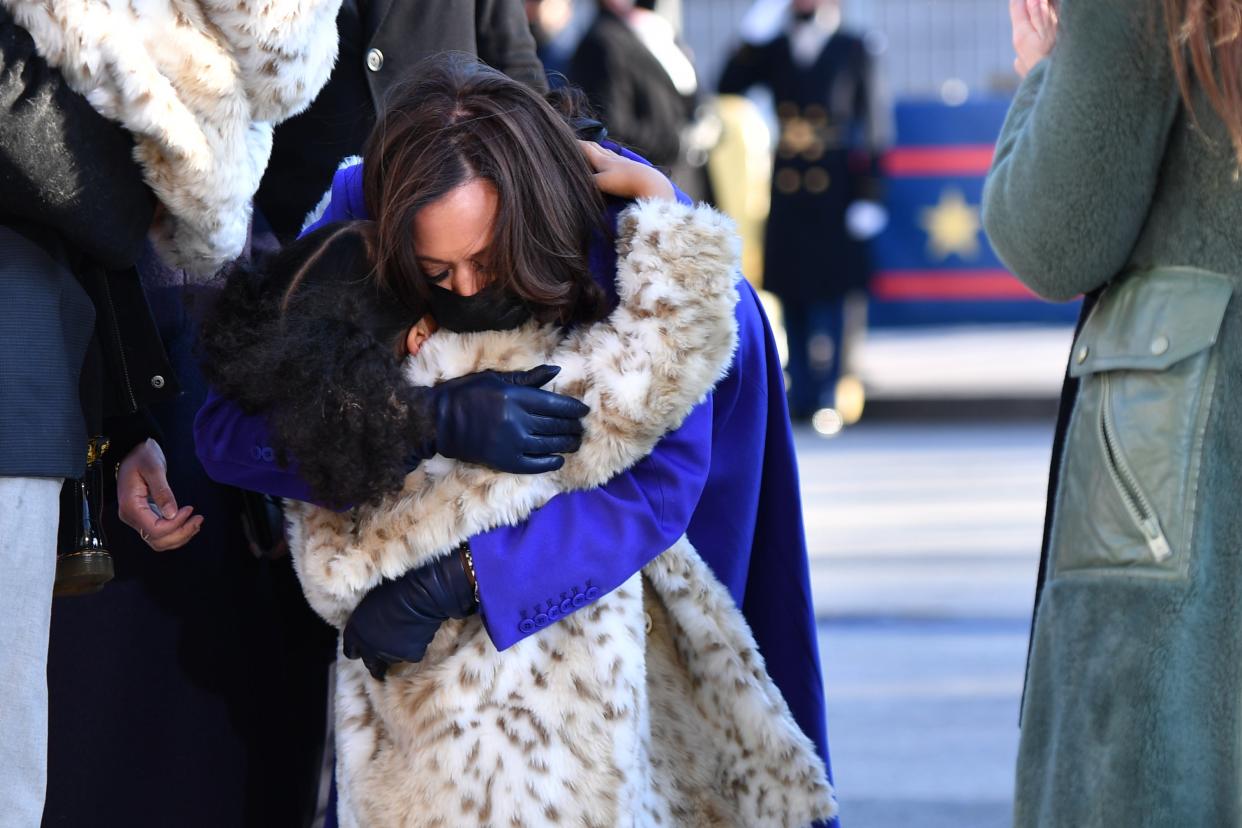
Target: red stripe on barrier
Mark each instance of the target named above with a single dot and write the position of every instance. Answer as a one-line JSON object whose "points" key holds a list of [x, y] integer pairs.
{"points": [[931, 161], [958, 285]]}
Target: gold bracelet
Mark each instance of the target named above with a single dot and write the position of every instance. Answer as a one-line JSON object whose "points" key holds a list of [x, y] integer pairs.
{"points": [[468, 559]]}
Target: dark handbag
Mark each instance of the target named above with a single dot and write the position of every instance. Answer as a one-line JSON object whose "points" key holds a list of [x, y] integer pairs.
{"points": [[263, 524], [83, 563]]}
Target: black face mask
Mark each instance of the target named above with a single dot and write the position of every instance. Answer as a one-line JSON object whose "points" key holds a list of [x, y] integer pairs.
{"points": [[491, 309]]}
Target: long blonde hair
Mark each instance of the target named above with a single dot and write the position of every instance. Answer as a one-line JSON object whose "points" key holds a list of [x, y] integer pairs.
{"points": [[1205, 37]]}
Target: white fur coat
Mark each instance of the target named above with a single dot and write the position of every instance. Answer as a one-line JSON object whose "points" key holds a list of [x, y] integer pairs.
{"points": [[650, 706], [200, 84]]}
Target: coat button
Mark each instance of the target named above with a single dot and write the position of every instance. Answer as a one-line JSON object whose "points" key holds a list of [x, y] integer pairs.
{"points": [[816, 180], [554, 612], [567, 606], [815, 112], [157, 382], [1160, 345], [592, 593], [1083, 353], [788, 181], [375, 60], [580, 600], [268, 454], [542, 620], [526, 627]]}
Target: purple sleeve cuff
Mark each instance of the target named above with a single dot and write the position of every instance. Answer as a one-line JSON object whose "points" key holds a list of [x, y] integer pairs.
{"points": [[234, 449], [582, 545], [346, 202]]}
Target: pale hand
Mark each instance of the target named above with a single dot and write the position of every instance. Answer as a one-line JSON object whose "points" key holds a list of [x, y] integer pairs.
{"points": [[1034, 32], [625, 178], [142, 480]]}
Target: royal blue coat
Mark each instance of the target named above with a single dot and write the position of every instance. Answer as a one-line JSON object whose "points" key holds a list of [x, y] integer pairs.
{"points": [[727, 477]]}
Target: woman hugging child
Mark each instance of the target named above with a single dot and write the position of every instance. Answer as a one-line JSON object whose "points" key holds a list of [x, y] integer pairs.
{"points": [[646, 705]]}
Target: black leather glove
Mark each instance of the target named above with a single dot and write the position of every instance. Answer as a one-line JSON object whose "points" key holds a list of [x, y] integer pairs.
{"points": [[503, 419], [397, 620]]}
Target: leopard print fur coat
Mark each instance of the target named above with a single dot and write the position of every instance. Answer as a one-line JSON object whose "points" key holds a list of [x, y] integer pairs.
{"points": [[200, 84], [650, 706]]}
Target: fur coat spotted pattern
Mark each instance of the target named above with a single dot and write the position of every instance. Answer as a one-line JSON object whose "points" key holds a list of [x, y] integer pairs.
{"points": [[650, 706], [200, 84]]}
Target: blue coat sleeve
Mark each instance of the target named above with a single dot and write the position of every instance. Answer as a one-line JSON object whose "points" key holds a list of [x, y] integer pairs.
{"points": [[581, 545], [235, 447]]}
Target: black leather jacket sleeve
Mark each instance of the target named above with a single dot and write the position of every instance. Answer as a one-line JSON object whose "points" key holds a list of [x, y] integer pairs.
{"points": [[63, 165]]}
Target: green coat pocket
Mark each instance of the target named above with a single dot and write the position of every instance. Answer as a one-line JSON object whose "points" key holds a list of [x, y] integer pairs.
{"points": [[1129, 477]]}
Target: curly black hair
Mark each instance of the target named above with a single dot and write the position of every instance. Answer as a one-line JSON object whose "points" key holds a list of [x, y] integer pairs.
{"points": [[309, 339]]}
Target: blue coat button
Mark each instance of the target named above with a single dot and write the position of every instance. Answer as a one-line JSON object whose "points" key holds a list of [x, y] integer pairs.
{"points": [[541, 620], [554, 611], [526, 627], [592, 593], [567, 606], [580, 600], [268, 454]]}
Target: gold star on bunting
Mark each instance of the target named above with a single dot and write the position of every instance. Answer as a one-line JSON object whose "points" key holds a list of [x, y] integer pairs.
{"points": [[952, 226]]}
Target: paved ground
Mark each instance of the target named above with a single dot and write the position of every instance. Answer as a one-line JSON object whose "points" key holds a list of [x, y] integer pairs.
{"points": [[924, 544], [965, 362]]}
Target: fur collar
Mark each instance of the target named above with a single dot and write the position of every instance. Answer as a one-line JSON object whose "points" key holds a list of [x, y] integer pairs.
{"points": [[649, 706], [200, 84]]}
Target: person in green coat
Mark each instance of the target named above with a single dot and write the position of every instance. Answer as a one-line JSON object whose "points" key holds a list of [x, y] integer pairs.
{"points": [[1116, 176]]}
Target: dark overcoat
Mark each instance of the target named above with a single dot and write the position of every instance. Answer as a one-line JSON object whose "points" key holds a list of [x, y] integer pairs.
{"points": [[191, 690], [630, 91], [74, 213], [827, 157]]}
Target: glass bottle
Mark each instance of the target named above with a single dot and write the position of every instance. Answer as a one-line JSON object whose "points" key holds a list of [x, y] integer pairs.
{"points": [[86, 566]]}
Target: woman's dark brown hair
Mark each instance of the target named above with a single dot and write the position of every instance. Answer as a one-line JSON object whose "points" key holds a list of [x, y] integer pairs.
{"points": [[1205, 37], [458, 120]]}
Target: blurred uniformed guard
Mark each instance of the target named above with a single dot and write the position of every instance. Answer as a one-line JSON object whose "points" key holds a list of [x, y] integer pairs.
{"points": [[826, 190]]}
